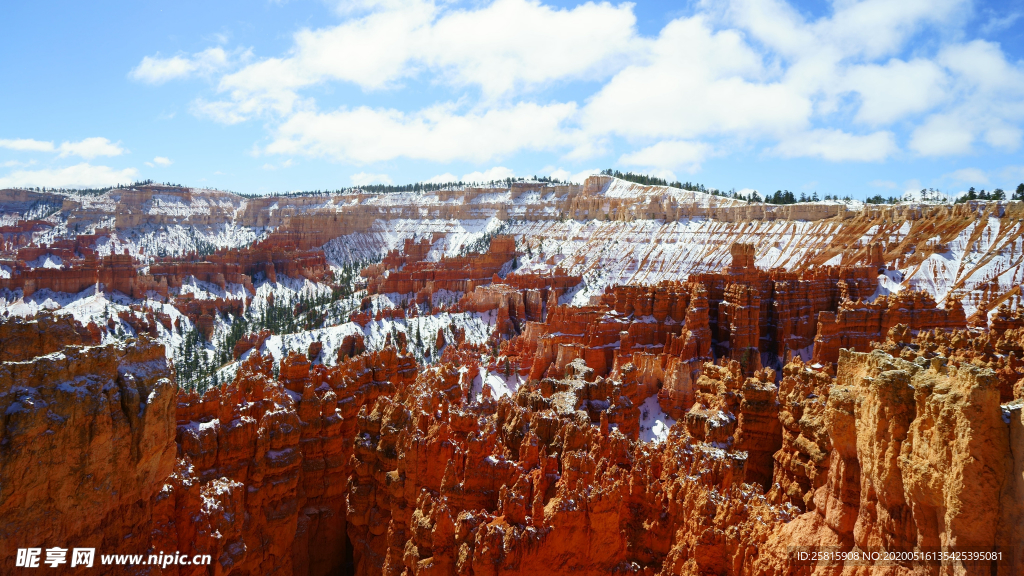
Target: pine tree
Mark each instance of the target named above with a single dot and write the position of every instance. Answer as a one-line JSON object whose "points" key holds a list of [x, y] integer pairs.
{"points": [[1019, 194]]}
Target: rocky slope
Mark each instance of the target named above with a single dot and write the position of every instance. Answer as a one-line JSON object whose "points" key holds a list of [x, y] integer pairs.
{"points": [[87, 444], [604, 378], [606, 230], [371, 467]]}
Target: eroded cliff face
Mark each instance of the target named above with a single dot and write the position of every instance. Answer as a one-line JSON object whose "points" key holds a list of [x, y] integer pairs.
{"points": [[628, 232], [261, 478], [635, 403], [86, 442], [21, 339], [923, 456], [371, 466], [895, 454], [99, 449], [531, 484]]}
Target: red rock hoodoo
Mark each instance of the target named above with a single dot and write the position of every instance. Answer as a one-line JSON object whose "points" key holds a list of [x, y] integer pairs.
{"points": [[469, 414]]}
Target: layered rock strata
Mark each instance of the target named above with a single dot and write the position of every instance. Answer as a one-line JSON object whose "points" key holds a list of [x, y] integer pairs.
{"points": [[86, 444], [858, 323], [373, 466]]}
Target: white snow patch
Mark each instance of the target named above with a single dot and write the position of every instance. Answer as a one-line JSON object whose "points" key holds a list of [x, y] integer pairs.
{"points": [[654, 423], [46, 261]]}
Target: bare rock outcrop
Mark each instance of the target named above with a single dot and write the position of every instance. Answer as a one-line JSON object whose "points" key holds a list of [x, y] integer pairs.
{"points": [[924, 457], [22, 339], [86, 441]]}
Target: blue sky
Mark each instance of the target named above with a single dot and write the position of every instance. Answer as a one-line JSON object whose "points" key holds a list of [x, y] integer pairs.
{"points": [[846, 97]]}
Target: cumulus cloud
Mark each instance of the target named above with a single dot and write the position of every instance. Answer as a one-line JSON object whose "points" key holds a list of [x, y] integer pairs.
{"points": [[669, 154], [896, 89], [989, 103], [160, 161], [583, 175], [157, 70], [853, 85], [440, 133], [489, 175], [942, 135], [442, 179], [696, 82], [83, 175], [27, 145], [16, 163], [499, 48], [836, 145], [999, 23], [759, 70], [865, 29], [88, 148], [364, 178]]}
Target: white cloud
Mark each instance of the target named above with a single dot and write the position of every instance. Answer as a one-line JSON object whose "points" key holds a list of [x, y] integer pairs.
{"points": [[882, 184], [734, 75], [896, 89], [160, 161], [582, 176], [442, 179], [157, 70], [364, 178], [518, 43], [16, 163], [967, 176], [348, 7], [836, 145], [696, 82], [989, 102], [1003, 136], [440, 134], [27, 145], [502, 47], [286, 164], [942, 135], [866, 29], [559, 174], [90, 148], [997, 24], [567, 176], [667, 175], [489, 175], [83, 175], [670, 154]]}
